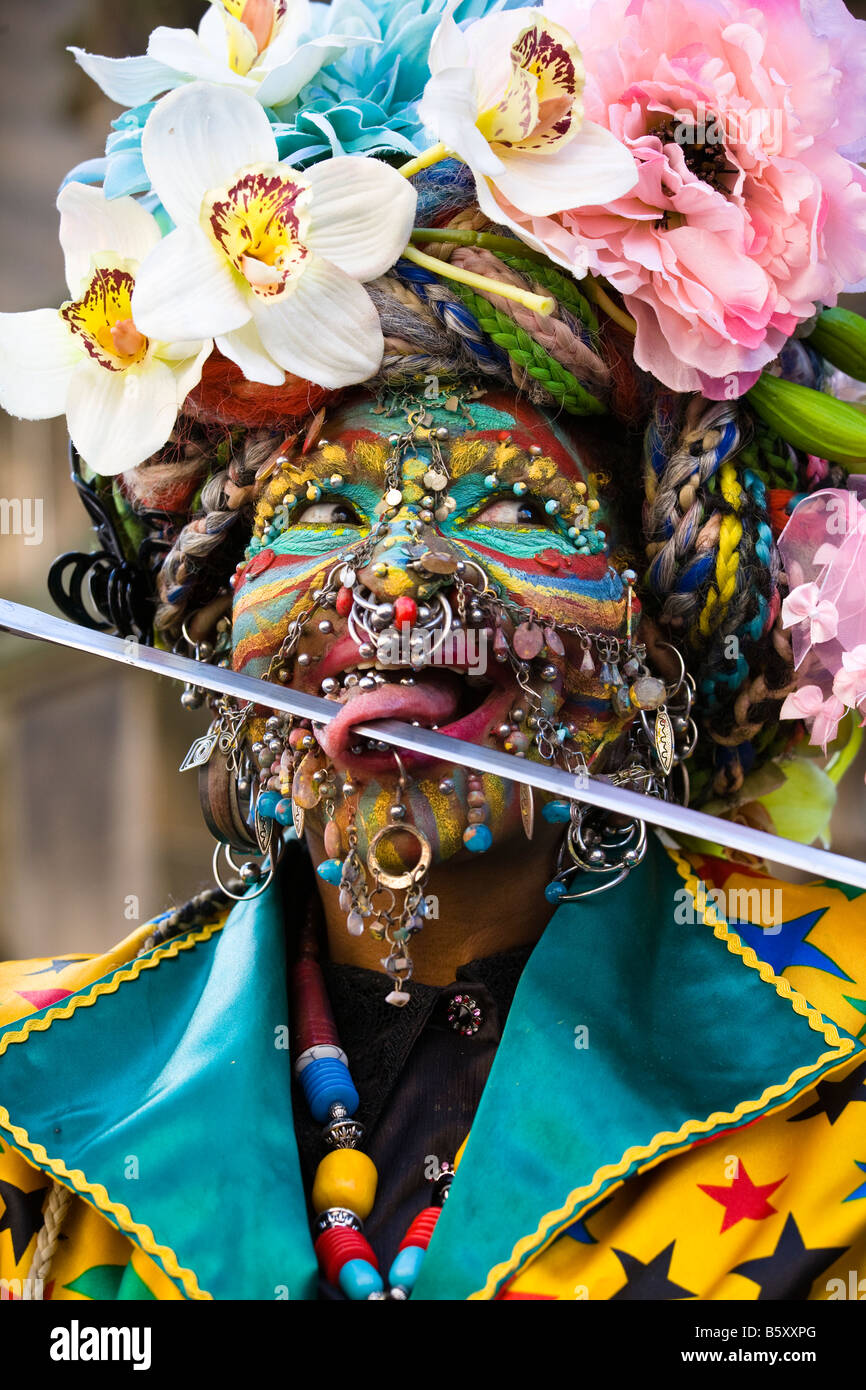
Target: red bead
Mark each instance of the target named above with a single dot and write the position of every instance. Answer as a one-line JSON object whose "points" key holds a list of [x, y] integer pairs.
{"points": [[312, 1017], [405, 611], [345, 599], [422, 1228], [503, 436], [337, 1246]]}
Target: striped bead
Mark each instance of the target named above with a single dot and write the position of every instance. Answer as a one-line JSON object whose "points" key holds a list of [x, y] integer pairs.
{"points": [[334, 1248], [421, 1229], [327, 1081]]}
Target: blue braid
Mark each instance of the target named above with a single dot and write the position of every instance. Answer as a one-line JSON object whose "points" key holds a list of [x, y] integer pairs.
{"points": [[455, 316]]}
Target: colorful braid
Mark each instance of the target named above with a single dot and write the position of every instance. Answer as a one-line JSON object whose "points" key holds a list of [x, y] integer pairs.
{"points": [[563, 289], [457, 318], [558, 383], [714, 568], [558, 334]]}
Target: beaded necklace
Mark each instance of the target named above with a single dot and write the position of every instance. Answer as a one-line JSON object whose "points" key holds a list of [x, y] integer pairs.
{"points": [[344, 1188]]}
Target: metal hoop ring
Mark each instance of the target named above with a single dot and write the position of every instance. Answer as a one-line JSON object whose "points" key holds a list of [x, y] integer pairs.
{"points": [[239, 897], [591, 891], [484, 579], [674, 688], [411, 876]]}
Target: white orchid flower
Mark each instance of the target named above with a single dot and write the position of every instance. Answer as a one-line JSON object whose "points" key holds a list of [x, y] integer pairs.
{"points": [[120, 390], [505, 96], [255, 45], [265, 259]]}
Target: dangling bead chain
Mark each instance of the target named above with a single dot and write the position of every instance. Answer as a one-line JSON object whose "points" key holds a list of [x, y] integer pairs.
{"points": [[344, 1188]]}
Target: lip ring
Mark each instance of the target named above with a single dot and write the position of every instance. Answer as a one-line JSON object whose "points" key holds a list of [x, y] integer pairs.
{"points": [[412, 876]]}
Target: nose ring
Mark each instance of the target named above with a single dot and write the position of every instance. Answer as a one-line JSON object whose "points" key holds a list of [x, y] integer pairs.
{"points": [[371, 624]]}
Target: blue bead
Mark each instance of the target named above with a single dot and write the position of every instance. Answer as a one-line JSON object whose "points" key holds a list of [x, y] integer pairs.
{"points": [[406, 1268], [477, 838], [325, 1082], [556, 812], [267, 804], [283, 811], [331, 870], [358, 1279], [555, 891]]}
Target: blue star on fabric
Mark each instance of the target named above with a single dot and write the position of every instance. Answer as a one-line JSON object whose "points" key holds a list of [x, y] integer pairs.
{"points": [[650, 1280], [578, 1230], [789, 1273], [55, 966], [785, 944], [859, 1192]]}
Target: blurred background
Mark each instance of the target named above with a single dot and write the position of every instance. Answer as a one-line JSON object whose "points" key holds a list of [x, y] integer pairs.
{"points": [[98, 831]]}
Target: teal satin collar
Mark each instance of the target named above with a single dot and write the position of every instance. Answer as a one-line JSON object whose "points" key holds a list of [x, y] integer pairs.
{"points": [[168, 1098]]}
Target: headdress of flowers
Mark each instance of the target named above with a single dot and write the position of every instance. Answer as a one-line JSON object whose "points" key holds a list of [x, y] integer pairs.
{"points": [[692, 162]]}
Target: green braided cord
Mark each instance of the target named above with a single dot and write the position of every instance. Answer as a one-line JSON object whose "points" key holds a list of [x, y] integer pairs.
{"points": [[528, 354], [559, 285], [768, 458]]}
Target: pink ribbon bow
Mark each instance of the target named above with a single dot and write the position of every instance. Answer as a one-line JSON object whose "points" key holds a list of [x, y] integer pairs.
{"points": [[804, 604], [849, 684], [809, 704]]}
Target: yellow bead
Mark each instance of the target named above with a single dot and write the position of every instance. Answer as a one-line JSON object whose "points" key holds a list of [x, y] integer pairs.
{"points": [[346, 1178]]}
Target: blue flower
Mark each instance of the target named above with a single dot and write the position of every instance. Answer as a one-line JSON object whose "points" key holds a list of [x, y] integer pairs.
{"points": [[364, 103]]}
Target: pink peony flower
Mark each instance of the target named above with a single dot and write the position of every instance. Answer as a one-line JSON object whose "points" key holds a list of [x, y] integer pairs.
{"points": [[746, 214]]}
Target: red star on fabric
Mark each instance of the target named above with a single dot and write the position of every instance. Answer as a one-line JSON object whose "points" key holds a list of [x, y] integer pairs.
{"points": [[743, 1200], [716, 872], [41, 998]]}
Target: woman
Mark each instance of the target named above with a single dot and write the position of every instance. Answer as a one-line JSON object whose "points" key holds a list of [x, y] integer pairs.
{"points": [[441, 525]]}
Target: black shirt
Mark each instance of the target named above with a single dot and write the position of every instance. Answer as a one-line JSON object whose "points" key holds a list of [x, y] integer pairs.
{"points": [[418, 1079]]}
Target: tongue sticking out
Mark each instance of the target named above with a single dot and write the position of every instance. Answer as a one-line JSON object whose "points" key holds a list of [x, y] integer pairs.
{"points": [[428, 701]]}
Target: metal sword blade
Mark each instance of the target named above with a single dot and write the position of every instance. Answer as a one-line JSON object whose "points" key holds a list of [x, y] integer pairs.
{"points": [[17, 618]]}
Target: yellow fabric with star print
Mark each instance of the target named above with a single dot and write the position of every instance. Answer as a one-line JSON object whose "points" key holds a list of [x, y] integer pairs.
{"points": [[775, 1208]]}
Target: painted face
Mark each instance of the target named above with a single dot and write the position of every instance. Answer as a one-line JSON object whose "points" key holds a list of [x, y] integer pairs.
{"points": [[482, 535]]}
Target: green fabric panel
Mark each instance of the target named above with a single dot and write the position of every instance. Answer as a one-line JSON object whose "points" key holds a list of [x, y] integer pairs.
{"points": [[679, 1028], [179, 1069], [100, 1282]]}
